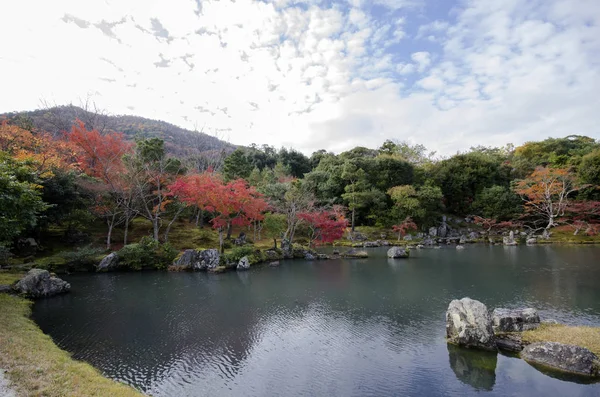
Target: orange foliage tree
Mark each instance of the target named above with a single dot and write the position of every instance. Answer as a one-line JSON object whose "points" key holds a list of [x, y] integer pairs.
{"points": [[546, 193], [101, 157], [39, 149]]}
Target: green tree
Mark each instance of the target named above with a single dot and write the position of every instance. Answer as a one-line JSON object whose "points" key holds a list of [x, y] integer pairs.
{"points": [[498, 202], [589, 168], [422, 204], [236, 166], [20, 199]]}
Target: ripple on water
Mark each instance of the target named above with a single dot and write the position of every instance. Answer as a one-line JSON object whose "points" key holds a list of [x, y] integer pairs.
{"points": [[341, 328]]}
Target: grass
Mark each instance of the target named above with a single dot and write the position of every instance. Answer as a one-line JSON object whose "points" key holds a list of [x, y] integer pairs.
{"points": [[37, 367], [7, 278], [588, 337]]}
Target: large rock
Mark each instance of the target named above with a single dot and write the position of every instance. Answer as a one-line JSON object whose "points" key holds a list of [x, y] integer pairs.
{"points": [[469, 324], [243, 264], [109, 262], [354, 253], [397, 252], [371, 244], [515, 320], [569, 358], [512, 342], [186, 261], [286, 248], [309, 256], [207, 260], [510, 239], [38, 283], [433, 231]]}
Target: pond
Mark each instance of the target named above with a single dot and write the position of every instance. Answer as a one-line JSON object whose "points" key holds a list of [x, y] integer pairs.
{"points": [[337, 328]]}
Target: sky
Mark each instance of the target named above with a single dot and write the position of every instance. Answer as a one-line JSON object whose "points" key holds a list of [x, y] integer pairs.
{"points": [[316, 74]]}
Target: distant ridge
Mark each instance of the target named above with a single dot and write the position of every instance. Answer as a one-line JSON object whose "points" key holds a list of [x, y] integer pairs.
{"points": [[179, 141]]}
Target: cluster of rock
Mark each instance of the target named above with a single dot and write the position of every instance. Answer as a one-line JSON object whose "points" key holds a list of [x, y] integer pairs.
{"points": [[39, 283], [469, 324], [197, 260]]}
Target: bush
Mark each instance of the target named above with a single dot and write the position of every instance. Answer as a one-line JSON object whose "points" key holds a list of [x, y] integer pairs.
{"points": [[148, 253], [238, 253], [84, 256]]}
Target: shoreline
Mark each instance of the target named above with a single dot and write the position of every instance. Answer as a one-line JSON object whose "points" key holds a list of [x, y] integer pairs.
{"points": [[34, 365]]}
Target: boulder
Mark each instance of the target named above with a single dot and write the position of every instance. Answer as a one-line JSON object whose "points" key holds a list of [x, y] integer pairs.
{"points": [[408, 237], [286, 248], [38, 283], [354, 253], [5, 289], [397, 252], [309, 256], [371, 244], [569, 358], [420, 246], [357, 236], [322, 256], [274, 264], [109, 262], [515, 320], [460, 247], [469, 324], [383, 243], [512, 342], [335, 252], [207, 260], [241, 240], [510, 239], [272, 255], [243, 264], [473, 236], [531, 241], [186, 261], [463, 239], [433, 231]]}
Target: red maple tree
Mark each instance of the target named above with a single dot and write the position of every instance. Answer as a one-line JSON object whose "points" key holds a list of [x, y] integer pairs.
{"points": [[404, 227], [324, 226]]}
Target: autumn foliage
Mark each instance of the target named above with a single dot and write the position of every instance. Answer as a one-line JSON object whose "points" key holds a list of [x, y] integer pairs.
{"points": [[325, 226], [404, 227]]}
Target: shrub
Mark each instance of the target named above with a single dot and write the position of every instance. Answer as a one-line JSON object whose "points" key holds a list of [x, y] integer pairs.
{"points": [[238, 253], [84, 256], [148, 253]]}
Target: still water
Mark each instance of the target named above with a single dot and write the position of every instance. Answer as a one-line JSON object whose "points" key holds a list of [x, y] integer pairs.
{"points": [[372, 327]]}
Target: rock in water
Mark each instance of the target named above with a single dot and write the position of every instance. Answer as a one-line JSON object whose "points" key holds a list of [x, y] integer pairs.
{"points": [[510, 239], [515, 320], [354, 253], [109, 262], [397, 252], [512, 342], [460, 247], [569, 358], [309, 256], [243, 264], [469, 324], [207, 260], [38, 283]]}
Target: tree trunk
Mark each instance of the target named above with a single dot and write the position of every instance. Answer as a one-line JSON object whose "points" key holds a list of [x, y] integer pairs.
{"points": [[126, 229], [274, 243], [221, 240], [229, 227], [353, 212], [155, 228], [171, 223], [109, 234], [198, 217]]}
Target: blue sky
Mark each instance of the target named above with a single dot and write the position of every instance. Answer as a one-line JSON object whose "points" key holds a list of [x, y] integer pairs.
{"points": [[317, 74]]}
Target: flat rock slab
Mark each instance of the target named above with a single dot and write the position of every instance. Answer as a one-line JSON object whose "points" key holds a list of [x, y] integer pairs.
{"points": [[515, 320], [568, 358]]}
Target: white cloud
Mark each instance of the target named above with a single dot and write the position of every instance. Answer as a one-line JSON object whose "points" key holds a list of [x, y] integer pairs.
{"points": [[316, 76]]}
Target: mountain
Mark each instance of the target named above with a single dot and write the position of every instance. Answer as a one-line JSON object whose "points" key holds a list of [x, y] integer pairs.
{"points": [[179, 142]]}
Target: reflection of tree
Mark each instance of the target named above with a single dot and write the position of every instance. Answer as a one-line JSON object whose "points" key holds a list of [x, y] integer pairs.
{"points": [[476, 368]]}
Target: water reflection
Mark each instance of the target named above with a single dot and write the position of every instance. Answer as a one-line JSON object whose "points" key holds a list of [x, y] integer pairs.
{"points": [[475, 368], [343, 327]]}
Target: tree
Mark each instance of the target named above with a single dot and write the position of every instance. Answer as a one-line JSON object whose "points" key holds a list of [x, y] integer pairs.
{"points": [[296, 200], [236, 166], [297, 163], [324, 226], [589, 168], [546, 193], [100, 156], [498, 202], [404, 227], [151, 172], [20, 199], [423, 204], [584, 215]]}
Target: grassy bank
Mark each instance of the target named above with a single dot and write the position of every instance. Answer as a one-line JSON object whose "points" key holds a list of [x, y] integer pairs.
{"points": [[588, 337], [36, 366]]}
